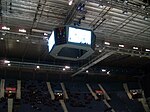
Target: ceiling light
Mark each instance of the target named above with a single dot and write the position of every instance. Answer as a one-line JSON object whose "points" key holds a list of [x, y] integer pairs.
{"points": [[9, 64], [125, 12], [22, 30], [17, 40], [38, 67], [6, 61], [147, 50], [143, 6], [97, 45], [100, 50], [101, 6], [136, 48], [64, 69], [27, 37], [41, 31], [126, 1], [87, 71], [106, 43], [5, 28], [121, 45], [103, 70], [108, 72], [45, 34], [145, 18], [3, 33], [2, 38], [67, 67], [70, 2]]}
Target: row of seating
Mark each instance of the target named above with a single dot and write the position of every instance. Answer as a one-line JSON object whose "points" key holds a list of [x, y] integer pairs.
{"points": [[35, 97]]}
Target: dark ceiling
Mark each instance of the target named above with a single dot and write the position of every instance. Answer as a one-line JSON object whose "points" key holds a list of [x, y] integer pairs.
{"points": [[114, 21]]}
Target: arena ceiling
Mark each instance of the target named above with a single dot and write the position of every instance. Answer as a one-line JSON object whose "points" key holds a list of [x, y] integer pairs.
{"points": [[124, 22]]}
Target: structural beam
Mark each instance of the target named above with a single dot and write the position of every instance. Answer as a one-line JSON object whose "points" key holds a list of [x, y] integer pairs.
{"points": [[50, 90], [96, 60], [91, 91], [72, 12], [18, 94], [10, 105], [105, 93], [127, 90], [108, 105], [2, 88], [64, 90], [63, 105], [125, 51]]}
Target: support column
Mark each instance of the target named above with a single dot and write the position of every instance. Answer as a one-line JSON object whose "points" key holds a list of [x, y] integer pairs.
{"points": [[125, 86], [18, 94], [10, 105], [144, 103], [63, 105], [2, 88], [50, 90], [91, 91], [64, 90], [108, 105], [105, 93]]}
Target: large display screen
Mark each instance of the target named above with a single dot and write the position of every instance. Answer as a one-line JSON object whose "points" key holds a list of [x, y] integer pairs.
{"points": [[51, 41], [79, 36]]}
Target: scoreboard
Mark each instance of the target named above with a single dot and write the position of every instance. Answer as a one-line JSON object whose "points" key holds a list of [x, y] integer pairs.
{"points": [[79, 42]]}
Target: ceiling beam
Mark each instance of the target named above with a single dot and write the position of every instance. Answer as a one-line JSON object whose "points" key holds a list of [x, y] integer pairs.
{"points": [[96, 60], [72, 13], [125, 51]]}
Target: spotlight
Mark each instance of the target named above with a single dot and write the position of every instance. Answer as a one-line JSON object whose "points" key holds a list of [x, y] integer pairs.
{"points": [[121, 45], [145, 18], [9, 64], [136, 48], [70, 2], [108, 72], [143, 6], [126, 1], [125, 12], [97, 45], [2, 38], [5, 28], [100, 51], [87, 71], [45, 34], [64, 69], [106, 43], [27, 37], [67, 67], [103, 70], [6, 61], [147, 50], [22, 30], [17, 40], [38, 67], [101, 6]]}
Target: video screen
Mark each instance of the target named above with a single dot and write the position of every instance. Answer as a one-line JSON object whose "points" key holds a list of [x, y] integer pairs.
{"points": [[51, 41], [79, 36]]}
